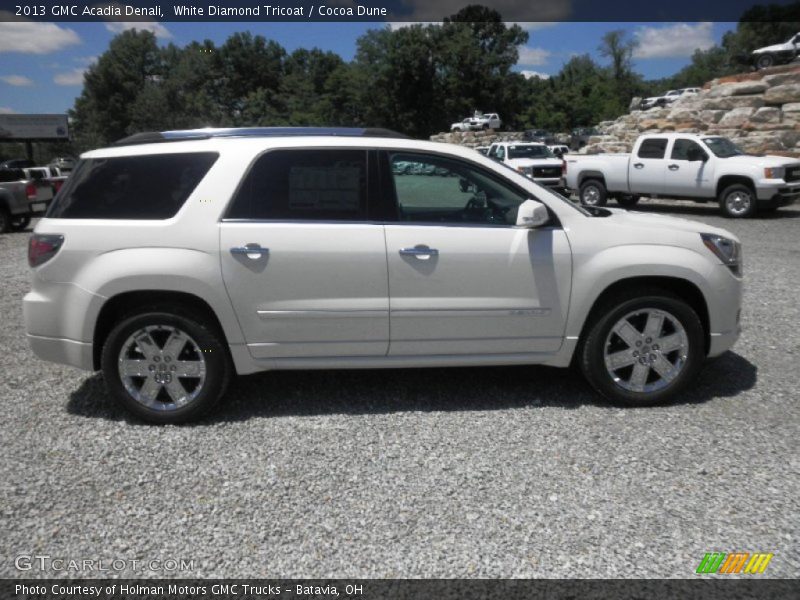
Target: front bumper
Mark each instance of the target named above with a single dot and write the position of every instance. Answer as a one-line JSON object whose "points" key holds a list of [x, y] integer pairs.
{"points": [[778, 192]]}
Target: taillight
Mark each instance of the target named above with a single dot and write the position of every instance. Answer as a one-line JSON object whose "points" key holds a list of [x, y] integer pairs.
{"points": [[30, 191], [42, 247], [57, 186]]}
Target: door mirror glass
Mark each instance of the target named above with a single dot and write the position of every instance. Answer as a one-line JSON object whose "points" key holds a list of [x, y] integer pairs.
{"points": [[696, 154], [532, 214]]}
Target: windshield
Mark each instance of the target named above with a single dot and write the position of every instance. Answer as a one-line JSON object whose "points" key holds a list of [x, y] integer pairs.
{"points": [[722, 147], [529, 152]]}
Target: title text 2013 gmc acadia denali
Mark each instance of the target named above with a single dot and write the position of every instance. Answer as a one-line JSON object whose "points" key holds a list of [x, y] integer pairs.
{"points": [[173, 261]]}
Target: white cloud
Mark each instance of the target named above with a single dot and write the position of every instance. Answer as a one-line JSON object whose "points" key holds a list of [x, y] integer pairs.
{"points": [[25, 36], [531, 74], [73, 77], [16, 80], [510, 10], [157, 29], [5, 110], [533, 57], [674, 41]]}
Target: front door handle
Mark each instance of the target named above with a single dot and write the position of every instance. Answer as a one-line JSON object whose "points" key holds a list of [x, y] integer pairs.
{"points": [[420, 252], [638, 165], [252, 251], [673, 167]]}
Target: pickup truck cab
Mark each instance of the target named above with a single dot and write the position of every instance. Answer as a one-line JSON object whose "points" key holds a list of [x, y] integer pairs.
{"points": [[531, 159], [686, 166], [486, 121]]}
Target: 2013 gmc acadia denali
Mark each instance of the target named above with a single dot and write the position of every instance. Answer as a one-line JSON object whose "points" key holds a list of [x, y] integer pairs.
{"points": [[174, 260]]}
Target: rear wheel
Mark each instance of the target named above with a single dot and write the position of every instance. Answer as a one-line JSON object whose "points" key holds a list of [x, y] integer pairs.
{"points": [[765, 60], [19, 223], [737, 201], [593, 193], [164, 367], [643, 351], [627, 201]]}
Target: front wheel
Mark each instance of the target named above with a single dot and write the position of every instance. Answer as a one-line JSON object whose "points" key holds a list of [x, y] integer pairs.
{"points": [[593, 193], [737, 201], [164, 367], [643, 351]]}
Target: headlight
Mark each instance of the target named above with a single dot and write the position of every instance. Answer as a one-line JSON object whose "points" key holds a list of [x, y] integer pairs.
{"points": [[727, 250], [774, 172]]}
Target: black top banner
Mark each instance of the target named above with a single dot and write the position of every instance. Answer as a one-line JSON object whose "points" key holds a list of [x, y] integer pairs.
{"points": [[386, 10]]}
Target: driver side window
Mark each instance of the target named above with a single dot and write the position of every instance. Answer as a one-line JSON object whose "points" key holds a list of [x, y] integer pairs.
{"points": [[435, 189]]}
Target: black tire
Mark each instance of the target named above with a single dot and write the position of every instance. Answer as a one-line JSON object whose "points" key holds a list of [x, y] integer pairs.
{"points": [[738, 201], [485, 126], [764, 61], [627, 201], [202, 337], [5, 220], [593, 193], [591, 352], [19, 223]]}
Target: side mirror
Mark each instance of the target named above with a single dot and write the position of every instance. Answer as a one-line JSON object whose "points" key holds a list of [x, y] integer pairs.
{"points": [[531, 214], [694, 155]]}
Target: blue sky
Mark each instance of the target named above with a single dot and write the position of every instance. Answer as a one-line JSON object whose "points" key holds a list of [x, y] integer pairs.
{"points": [[41, 64]]}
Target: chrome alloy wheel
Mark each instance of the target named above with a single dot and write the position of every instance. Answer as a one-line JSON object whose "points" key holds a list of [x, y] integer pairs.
{"points": [[738, 203], [646, 350], [162, 367], [591, 195]]}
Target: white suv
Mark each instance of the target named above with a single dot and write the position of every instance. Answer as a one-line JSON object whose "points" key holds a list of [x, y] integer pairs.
{"points": [[174, 261]]}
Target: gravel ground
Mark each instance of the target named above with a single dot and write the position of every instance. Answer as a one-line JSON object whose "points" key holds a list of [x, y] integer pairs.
{"points": [[492, 472]]}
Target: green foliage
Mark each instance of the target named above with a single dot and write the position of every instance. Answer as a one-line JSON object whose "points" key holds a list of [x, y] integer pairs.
{"points": [[416, 79]]}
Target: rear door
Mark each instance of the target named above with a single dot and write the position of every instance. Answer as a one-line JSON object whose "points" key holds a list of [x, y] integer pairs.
{"points": [[646, 167], [303, 263], [462, 278]]}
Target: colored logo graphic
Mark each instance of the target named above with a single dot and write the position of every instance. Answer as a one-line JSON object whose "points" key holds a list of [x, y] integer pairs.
{"points": [[737, 562]]}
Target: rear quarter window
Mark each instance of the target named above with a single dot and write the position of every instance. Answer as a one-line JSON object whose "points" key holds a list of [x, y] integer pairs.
{"points": [[151, 187]]}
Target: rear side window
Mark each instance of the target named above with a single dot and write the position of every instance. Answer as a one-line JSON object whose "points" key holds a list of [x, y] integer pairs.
{"points": [[153, 186], [307, 185], [653, 148]]}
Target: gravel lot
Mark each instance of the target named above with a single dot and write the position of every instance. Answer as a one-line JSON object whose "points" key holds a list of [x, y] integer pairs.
{"points": [[493, 472]]}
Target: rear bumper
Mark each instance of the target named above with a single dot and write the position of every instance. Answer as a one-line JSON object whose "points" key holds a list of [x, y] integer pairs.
{"points": [[63, 351]]}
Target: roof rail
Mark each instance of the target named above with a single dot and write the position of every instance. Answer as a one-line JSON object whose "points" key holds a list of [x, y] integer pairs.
{"points": [[155, 137]]}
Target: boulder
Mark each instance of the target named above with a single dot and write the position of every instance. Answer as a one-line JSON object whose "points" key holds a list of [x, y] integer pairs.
{"points": [[731, 102], [711, 116], [783, 94], [791, 107], [736, 117], [782, 78], [766, 114], [741, 88]]}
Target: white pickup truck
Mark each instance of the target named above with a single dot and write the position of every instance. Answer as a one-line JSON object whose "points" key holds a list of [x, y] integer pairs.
{"points": [[532, 159], [686, 166]]}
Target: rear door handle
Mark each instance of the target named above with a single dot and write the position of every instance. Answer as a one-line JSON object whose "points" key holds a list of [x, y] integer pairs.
{"points": [[252, 251], [638, 165], [673, 167], [420, 252]]}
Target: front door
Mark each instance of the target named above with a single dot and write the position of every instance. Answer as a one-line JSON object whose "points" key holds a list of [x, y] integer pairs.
{"points": [[462, 278], [304, 268], [684, 177]]}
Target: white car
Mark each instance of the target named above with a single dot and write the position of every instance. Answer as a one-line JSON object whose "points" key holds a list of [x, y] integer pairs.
{"points": [[174, 261], [486, 121], [532, 159], [465, 125], [704, 168], [558, 150], [778, 53], [667, 98]]}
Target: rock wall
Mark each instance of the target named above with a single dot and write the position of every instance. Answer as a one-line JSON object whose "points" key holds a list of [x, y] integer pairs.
{"points": [[759, 112], [473, 139]]}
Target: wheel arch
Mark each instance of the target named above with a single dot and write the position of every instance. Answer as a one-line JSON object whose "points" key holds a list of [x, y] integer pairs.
{"points": [[683, 288], [729, 180], [584, 176], [127, 303]]}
